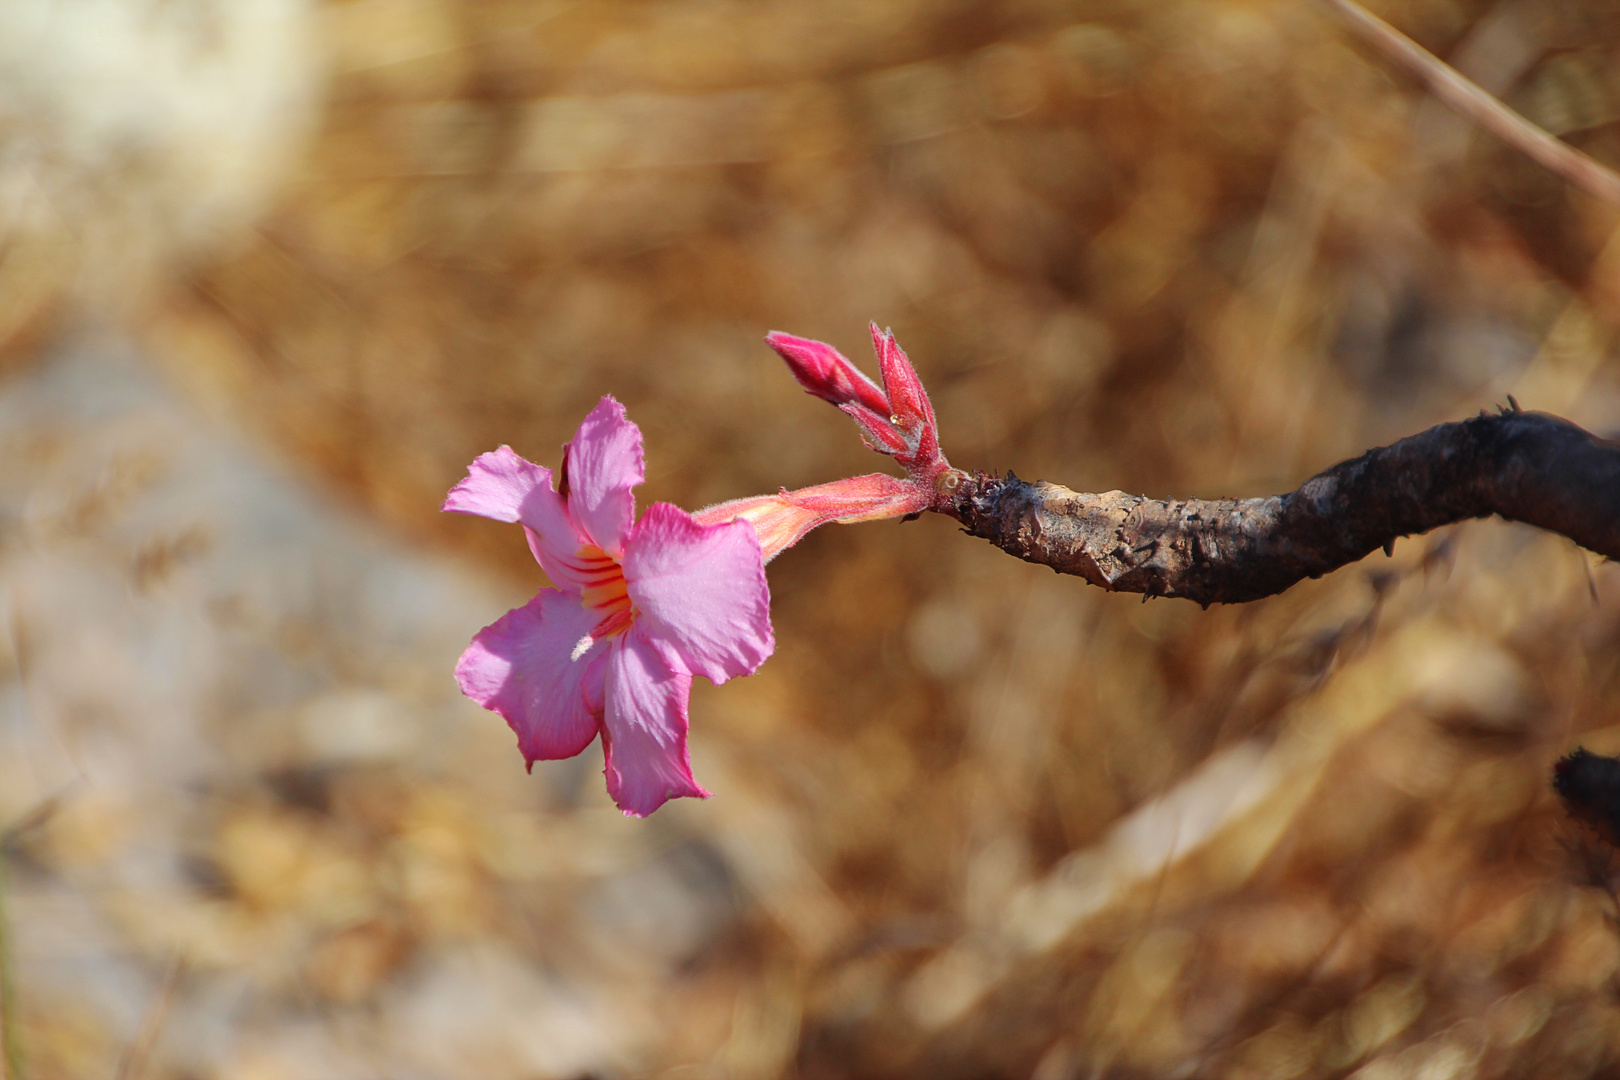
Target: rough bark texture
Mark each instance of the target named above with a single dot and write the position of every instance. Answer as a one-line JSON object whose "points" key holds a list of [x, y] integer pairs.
{"points": [[1524, 466]]}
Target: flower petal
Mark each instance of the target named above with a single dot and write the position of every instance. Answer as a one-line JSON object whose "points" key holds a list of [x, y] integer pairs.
{"points": [[700, 593], [602, 465], [523, 667], [571, 570], [506, 487], [644, 729]]}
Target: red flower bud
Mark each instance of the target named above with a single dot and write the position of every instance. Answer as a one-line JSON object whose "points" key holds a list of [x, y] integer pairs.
{"points": [[825, 372], [896, 420]]}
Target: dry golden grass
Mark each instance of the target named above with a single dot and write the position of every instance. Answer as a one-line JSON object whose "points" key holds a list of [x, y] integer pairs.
{"points": [[971, 819]]}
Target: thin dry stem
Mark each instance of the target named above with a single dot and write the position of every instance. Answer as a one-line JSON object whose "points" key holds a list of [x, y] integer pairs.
{"points": [[139, 1051], [11, 1066], [1471, 101]]}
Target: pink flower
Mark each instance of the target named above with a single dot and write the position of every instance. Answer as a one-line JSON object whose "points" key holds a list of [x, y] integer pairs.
{"points": [[640, 607]]}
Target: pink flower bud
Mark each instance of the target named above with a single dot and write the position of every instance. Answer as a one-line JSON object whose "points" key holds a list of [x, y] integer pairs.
{"points": [[897, 420], [910, 408], [825, 372]]}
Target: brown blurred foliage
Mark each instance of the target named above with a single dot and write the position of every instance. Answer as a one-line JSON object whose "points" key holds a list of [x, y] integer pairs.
{"points": [[971, 820]]}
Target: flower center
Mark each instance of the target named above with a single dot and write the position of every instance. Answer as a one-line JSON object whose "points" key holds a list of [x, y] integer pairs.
{"points": [[605, 594]]}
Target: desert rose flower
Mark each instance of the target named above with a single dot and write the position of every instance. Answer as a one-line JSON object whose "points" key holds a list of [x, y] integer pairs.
{"points": [[640, 607]]}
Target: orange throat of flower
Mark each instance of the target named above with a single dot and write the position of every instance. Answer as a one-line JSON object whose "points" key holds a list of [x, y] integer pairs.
{"points": [[606, 595]]}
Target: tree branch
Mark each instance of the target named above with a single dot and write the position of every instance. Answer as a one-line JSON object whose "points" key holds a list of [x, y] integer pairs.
{"points": [[1524, 466]]}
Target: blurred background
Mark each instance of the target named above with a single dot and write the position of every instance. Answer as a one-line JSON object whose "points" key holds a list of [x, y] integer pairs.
{"points": [[273, 271]]}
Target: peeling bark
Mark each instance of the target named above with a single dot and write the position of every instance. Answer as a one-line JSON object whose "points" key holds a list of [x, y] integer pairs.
{"points": [[1523, 466]]}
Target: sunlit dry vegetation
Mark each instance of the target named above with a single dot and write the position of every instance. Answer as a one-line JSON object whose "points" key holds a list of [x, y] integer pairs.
{"points": [[972, 819]]}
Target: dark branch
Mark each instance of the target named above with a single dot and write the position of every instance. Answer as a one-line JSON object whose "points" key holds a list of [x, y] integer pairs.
{"points": [[1524, 466]]}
